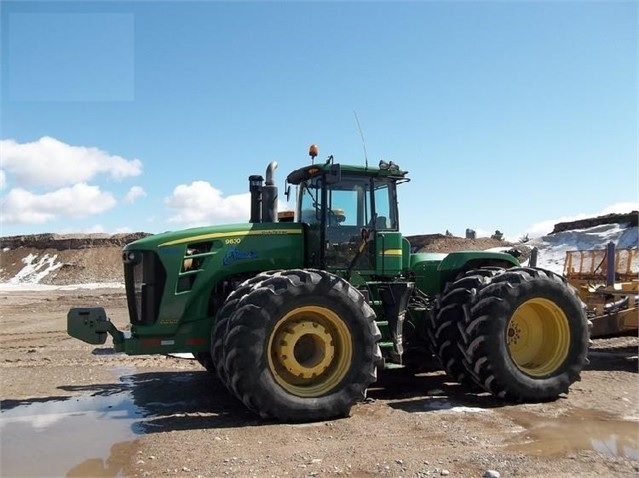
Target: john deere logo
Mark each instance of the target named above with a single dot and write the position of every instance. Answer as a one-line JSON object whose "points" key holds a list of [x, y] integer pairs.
{"points": [[234, 255]]}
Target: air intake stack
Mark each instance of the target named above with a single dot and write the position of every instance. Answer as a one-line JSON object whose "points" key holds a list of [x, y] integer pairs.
{"points": [[255, 188], [263, 196]]}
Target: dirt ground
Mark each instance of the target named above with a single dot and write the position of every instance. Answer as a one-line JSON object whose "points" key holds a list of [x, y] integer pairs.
{"points": [[179, 421]]}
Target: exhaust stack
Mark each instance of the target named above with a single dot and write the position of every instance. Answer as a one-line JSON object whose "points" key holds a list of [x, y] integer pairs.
{"points": [[263, 196], [269, 195]]}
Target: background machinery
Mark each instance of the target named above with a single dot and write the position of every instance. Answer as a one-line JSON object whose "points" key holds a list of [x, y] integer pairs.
{"points": [[295, 317], [607, 281]]}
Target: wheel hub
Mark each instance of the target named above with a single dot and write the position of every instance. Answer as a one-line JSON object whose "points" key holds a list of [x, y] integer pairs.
{"points": [[305, 349], [514, 333], [310, 351]]}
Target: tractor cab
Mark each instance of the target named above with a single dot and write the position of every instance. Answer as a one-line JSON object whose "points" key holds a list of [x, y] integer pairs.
{"points": [[351, 217]]}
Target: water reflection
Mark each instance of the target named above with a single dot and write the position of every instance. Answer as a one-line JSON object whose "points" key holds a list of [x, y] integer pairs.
{"points": [[113, 466], [580, 430], [46, 438]]}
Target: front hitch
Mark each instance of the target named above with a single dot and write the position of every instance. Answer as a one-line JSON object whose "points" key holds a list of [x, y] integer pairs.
{"points": [[91, 325]]}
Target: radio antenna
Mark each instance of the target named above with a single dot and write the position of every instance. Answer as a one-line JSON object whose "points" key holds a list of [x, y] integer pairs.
{"points": [[362, 135]]}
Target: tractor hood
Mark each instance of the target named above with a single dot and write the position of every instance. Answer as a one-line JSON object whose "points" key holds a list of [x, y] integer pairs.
{"points": [[172, 274], [208, 233]]}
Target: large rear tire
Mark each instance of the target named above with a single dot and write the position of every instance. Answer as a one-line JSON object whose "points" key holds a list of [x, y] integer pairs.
{"points": [[525, 334], [445, 329], [301, 345]]}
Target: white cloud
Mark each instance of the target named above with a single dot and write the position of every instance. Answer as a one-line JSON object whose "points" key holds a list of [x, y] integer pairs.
{"points": [[134, 193], [3, 179], [199, 203], [50, 162], [20, 206], [95, 229], [620, 208]]}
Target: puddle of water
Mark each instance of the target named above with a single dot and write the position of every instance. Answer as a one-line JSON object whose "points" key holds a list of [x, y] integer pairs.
{"points": [[581, 430], [80, 436]]}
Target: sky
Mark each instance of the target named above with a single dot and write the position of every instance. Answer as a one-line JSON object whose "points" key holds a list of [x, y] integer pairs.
{"points": [[150, 115]]}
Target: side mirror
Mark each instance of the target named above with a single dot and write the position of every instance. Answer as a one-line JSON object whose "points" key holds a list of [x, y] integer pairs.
{"points": [[334, 174]]}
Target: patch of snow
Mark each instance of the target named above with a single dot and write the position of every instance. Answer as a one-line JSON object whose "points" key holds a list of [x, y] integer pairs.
{"points": [[30, 287], [553, 247], [629, 238], [501, 249], [445, 405], [6, 249], [34, 271], [182, 355]]}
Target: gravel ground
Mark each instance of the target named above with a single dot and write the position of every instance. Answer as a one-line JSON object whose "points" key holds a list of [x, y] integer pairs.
{"points": [[181, 421]]}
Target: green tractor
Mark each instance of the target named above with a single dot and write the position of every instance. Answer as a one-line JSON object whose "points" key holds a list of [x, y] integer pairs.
{"points": [[295, 316]]}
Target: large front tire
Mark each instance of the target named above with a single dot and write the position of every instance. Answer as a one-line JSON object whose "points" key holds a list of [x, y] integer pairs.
{"points": [[220, 329], [301, 346], [205, 360]]}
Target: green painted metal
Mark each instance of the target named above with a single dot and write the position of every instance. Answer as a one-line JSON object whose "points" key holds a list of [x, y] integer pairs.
{"points": [[432, 270], [389, 253], [234, 250]]}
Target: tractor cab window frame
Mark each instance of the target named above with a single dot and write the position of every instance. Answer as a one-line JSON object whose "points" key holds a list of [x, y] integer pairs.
{"points": [[384, 193], [353, 201], [337, 212]]}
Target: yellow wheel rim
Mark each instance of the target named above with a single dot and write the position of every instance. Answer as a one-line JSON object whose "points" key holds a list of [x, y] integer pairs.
{"points": [[538, 337], [310, 351]]}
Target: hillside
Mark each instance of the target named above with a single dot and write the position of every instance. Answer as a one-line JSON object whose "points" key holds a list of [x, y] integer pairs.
{"points": [[630, 220], [61, 242], [52, 259], [443, 243], [63, 259]]}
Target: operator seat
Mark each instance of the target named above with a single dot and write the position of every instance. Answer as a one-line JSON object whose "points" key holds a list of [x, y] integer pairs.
{"points": [[381, 223]]}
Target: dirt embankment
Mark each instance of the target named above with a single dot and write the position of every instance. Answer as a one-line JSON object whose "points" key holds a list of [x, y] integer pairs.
{"points": [[630, 219], [443, 243], [63, 259], [62, 242], [72, 266], [55, 267]]}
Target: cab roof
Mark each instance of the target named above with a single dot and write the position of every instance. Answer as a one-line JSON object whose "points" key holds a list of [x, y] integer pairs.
{"points": [[388, 170]]}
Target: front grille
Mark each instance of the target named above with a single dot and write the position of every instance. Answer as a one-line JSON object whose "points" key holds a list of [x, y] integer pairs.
{"points": [[144, 279]]}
